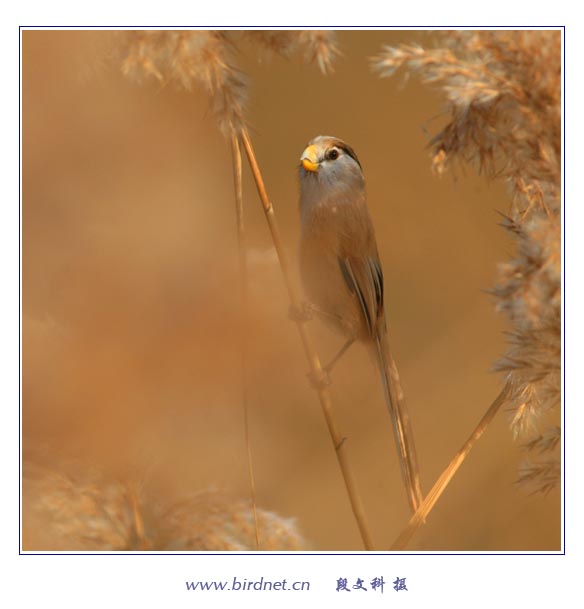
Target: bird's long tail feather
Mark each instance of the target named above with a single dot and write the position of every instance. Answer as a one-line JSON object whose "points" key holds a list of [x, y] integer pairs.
{"points": [[402, 427]]}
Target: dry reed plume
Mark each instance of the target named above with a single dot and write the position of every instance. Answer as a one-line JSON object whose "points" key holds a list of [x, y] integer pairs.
{"points": [[75, 511], [503, 91], [212, 521], [207, 59], [69, 508]]}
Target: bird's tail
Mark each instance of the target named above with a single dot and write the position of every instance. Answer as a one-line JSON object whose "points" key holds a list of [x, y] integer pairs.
{"points": [[400, 419]]}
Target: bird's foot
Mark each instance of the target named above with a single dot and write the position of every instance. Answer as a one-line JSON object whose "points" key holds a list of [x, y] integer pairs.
{"points": [[319, 380], [300, 313]]}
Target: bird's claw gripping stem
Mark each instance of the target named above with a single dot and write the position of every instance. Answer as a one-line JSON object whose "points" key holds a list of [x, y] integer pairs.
{"points": [[319, 380], [300, 313]]}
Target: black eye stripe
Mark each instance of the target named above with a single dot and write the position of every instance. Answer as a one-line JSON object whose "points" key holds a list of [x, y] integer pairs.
{"points": [[349, 151]]}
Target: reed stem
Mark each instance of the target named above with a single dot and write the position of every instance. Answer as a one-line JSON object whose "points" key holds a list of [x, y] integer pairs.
{"points": [[444, 480], [243, 301]]}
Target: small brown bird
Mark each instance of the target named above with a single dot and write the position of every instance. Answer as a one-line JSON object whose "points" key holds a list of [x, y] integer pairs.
{"points": [[342, 276]]}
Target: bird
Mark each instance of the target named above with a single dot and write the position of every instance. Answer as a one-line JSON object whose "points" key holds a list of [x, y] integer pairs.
{"points": [[342, 276]]}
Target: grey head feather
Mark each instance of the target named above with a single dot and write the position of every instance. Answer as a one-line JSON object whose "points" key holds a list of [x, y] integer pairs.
{"points": [[336, 181]]}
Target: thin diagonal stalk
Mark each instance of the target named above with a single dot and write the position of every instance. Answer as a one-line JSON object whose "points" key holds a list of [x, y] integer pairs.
{"points": [[243, 302], [141, 539], [316, 369], [440, 486]]}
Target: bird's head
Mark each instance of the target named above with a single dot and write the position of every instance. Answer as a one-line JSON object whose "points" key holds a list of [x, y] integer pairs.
{"points": [[329, 166]]}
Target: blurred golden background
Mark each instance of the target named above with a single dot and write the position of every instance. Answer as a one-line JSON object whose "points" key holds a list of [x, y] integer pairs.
{"points": [[131, 349]]}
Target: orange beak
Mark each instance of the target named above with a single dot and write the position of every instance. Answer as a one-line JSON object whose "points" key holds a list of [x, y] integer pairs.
{"points": [[309, 159]]}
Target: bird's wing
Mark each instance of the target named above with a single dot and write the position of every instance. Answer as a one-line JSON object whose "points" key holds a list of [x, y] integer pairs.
{"points": [[364, 278]]}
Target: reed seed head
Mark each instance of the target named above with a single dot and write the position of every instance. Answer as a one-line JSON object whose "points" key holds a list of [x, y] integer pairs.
{"points": [[207, 59], [503, 94]]}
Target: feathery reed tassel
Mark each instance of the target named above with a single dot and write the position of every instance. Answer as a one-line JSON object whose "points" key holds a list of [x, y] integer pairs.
{"points": [[213, 521], [190, 57], [206, 58], [504, 96], [80, 509]]}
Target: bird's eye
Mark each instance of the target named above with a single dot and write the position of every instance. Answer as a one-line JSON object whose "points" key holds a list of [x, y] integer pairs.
{"points": [[332, 154]]}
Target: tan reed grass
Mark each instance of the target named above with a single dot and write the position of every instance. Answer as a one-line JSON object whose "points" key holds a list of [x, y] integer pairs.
{"points": [[206, 58], [503, 90], [78, 508], [213, 521]]}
